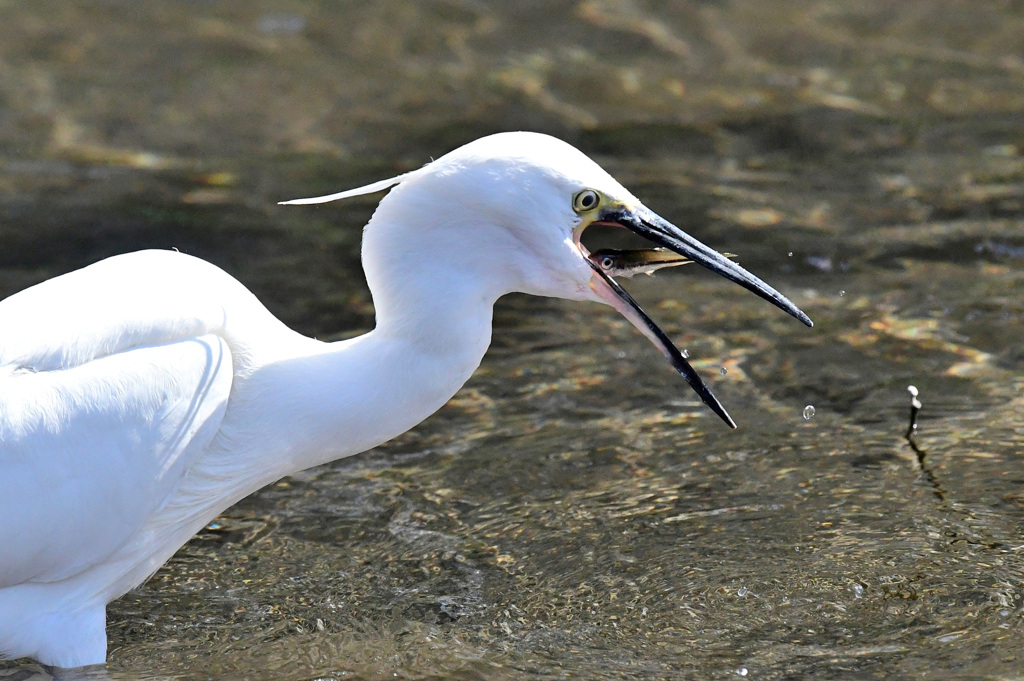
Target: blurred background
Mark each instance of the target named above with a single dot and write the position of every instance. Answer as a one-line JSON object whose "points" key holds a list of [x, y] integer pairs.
{"points": [[574, 511]]}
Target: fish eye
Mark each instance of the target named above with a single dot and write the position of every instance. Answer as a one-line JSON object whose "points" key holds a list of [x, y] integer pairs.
{"points": [[585, 200], [607, 262]]}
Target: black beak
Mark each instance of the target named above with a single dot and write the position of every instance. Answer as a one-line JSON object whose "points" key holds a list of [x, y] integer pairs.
{"points": [[661, 232]]}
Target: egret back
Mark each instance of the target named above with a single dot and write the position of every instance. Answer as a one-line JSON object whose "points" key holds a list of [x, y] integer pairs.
{"points": [[133, 300]]}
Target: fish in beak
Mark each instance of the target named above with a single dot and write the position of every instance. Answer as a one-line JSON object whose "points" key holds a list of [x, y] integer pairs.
{"points": [[619, 263], [675, 247]]}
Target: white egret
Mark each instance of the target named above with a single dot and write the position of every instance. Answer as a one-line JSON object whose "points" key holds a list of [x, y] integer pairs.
{"points": [[142, 395]]}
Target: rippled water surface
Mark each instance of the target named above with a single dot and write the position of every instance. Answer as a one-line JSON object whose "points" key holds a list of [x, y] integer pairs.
{"points": [[575, 512]]}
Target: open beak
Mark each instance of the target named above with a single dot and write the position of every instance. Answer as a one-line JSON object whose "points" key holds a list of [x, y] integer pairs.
{"points": [[681, 248]]}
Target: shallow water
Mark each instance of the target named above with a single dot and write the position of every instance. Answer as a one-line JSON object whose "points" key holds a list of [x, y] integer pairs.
{"points": [[574, 511]]}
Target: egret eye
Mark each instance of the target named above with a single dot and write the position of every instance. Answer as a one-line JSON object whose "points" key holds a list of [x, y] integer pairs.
{"points": [[585, 200]]}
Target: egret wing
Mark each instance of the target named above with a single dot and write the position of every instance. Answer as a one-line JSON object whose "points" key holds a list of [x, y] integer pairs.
{"points": [[113, 380], [88, 453]]}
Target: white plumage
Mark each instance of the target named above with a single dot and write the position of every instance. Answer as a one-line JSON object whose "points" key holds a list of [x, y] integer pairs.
{"points": [[144, 394]]}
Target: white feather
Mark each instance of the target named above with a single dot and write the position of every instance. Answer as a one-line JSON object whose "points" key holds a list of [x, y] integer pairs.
{"points": [[358, 191]]}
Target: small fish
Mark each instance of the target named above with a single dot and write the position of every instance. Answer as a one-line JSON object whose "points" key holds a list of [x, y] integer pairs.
{"points": [[620, 263]]}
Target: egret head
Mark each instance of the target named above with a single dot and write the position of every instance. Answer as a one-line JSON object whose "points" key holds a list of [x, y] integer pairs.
{"points": [[517, 204]]}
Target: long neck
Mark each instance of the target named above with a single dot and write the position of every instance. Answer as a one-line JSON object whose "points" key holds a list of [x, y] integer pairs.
{"points": [[323, 401], [434, 308], [346, 397]]}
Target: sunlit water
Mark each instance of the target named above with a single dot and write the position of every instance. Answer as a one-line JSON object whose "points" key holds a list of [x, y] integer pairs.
{"points": [[575, 511]]}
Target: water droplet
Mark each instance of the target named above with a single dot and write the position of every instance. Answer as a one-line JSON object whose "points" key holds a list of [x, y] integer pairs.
{"points": [[791, 254], [685, 353], [741, 592], [842, 293], [742, 671], [858, 591], [723, 371], [808, 412]]}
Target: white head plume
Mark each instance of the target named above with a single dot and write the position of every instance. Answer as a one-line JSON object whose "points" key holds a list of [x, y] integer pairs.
{"points": [[372, 188]]}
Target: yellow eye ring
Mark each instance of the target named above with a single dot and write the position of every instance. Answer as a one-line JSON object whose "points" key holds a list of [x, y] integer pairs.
{"points": [[585, 200]]}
